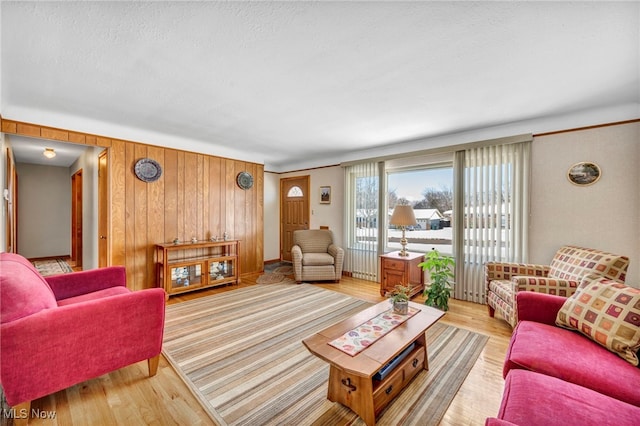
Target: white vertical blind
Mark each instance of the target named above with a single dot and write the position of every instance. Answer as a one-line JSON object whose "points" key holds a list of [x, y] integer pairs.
{"points": [[363, 192], [491, 208]]}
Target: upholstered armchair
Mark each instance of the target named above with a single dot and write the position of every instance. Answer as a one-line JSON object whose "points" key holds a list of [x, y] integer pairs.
{"points": [[561, 277], [315, 256], [65, 329]]}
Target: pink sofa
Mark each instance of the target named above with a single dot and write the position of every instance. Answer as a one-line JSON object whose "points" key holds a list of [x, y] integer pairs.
{"points": [[558, 376], [65, 329]]}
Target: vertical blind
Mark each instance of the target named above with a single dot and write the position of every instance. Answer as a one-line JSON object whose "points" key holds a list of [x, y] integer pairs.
{"points": [[363, 200], [491, 210]]}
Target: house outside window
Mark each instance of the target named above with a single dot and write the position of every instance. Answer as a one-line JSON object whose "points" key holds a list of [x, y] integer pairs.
{"points": [[429, 190]]}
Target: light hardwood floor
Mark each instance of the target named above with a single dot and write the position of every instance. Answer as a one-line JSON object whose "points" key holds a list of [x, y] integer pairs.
{"points": [[128, 396]]}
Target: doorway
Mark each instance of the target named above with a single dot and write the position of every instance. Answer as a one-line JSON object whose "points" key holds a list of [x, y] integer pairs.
{"points": [[55, 229], [294, 211]]}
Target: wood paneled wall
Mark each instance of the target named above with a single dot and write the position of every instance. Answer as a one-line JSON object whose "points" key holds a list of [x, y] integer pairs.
{"points": [[196, 196]]}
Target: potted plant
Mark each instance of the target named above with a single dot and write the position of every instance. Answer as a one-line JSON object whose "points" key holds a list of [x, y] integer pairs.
{"points": [[400, 298], [441, 283]]}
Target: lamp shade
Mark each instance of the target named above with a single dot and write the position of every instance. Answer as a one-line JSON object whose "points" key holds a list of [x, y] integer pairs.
{"points": [[403, 216]]}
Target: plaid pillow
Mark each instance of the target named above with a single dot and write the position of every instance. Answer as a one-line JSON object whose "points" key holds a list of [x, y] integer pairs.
{"points": [[606, 311]]}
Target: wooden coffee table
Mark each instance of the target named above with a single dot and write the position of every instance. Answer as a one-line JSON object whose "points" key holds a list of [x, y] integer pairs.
{"points": [[351, 378]]}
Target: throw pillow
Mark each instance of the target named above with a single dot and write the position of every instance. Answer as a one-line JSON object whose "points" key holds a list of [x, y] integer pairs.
{"points": [[607, 312]]}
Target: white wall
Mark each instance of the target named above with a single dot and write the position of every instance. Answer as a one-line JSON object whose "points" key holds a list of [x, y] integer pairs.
{"points": [[605, 215], [271, 216], [44, 210]]}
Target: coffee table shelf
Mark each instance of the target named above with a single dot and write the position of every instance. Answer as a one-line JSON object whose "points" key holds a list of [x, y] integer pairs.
{"points": [[351, 378]]}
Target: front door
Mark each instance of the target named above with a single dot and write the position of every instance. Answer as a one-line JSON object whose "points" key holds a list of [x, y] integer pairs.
{"points": [[294, 211]]}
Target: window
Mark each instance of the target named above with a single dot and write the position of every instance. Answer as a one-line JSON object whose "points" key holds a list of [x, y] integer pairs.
{"points": [[429, 190], [362, 185], [492, 210], [295, 192]]}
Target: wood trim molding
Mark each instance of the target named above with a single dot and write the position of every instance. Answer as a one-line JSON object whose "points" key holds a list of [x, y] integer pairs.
{"points": [[578, 129], [53, 133]]}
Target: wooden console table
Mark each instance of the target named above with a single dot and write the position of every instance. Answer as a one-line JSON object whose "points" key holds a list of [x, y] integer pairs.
{"points": [[351, 378], [191, 266]]}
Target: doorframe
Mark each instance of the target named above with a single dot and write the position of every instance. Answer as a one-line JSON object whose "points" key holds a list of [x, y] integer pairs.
{"points": [[103, 210], [77, 234], [307, 207], [11, 198]]}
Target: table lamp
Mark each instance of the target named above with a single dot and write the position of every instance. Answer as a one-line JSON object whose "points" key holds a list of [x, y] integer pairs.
{"points": [[403, 216]]}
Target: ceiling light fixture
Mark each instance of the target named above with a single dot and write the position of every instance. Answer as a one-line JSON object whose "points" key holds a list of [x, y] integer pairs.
{"points": [[49, 153]]}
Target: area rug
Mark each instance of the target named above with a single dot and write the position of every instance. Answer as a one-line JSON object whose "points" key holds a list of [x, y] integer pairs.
{"points": [[52, 267], [241, 355], [277, 273]]}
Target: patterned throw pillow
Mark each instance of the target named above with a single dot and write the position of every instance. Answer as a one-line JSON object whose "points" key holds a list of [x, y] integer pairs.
{"points": [[606, 311]]}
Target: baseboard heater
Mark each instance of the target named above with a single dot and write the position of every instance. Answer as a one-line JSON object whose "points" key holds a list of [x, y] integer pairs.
{"points": [[384, 371]]}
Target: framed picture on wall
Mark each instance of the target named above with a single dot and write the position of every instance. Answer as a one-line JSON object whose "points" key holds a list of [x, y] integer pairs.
{"points": [[325, 195], [584, 173]]}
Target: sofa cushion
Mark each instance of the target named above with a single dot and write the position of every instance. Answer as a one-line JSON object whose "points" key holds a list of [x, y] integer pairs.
{"points": [[111, 291], [572, 263], [23, 291], [570, 356], [606, 311], [534, 399], [317, 259]]}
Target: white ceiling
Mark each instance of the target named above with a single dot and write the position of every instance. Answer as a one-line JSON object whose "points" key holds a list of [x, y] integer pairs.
{"points": [[311, 83]]}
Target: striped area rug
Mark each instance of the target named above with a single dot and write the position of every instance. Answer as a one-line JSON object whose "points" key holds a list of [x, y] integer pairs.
{"points": [[241, 354]]}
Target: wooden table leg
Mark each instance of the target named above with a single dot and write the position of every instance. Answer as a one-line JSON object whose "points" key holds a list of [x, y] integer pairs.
{"points": [[422, 341], [354, 392]]}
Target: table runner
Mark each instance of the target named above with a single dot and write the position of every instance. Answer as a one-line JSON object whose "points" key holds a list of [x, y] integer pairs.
{"points": [[356, 340]]}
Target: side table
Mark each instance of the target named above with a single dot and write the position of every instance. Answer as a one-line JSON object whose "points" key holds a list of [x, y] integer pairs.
{"points": [[396, 269]]}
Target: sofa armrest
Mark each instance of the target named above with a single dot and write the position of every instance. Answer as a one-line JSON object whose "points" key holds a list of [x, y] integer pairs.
{"points": [[538, 307], [553, 286], [77, 283], [506, 270], [296, 259], [338, 254], [492, 421], [78, 342]]}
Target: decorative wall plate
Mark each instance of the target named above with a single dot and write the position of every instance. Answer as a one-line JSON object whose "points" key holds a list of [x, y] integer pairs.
{"points": [[245, 180], [148, 170]]}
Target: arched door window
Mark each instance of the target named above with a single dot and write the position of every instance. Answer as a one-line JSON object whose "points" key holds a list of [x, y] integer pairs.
{"points": [[294, 192]]}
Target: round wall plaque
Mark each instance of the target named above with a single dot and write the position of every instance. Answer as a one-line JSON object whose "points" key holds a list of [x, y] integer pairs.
{"points": [[148, 170], [584, 173], [245, 180]]}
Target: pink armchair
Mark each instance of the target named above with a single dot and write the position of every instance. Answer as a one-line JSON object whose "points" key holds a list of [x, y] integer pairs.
{"points": [[560, 278], [65, 329]]}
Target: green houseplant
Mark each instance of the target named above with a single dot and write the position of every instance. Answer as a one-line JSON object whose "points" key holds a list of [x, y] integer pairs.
{"points": [[441, 283], [400, 296]]}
